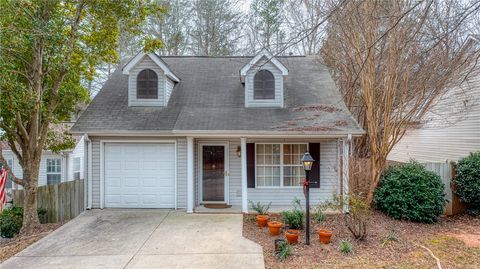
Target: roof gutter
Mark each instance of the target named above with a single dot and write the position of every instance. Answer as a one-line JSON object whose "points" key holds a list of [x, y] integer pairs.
{"points": [[229, 133]]}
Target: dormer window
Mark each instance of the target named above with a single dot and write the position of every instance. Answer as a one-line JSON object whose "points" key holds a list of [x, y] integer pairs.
{"points": [[264, 85], [263, 77], [150, 80], [147, 84]]}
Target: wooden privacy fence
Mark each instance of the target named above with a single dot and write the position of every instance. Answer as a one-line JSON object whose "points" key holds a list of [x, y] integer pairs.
{"points": [[62, 201]]}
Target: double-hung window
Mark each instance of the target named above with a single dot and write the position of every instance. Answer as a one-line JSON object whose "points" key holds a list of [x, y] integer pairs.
{"points": [[76, 168], [279, 164], [54, 171]]}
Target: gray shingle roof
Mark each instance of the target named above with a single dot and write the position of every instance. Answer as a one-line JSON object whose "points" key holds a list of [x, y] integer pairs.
{"points": [[210, 98]]}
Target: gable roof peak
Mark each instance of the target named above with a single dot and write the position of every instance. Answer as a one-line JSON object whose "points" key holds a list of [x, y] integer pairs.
{"points": [[155, 58], [270, 58]]}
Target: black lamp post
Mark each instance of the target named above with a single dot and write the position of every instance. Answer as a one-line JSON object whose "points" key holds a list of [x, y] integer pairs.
{"points": [[307, 161]]}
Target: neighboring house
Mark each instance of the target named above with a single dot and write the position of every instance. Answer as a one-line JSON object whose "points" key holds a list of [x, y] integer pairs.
{"points": [[183, 131], [54, 167], [451, 129]]}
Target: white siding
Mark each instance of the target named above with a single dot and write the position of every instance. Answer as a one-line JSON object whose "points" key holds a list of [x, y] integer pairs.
{"points": [[452, 129], [329, 184], [279, 91], [182, 173], [78, 152], [146, 63], [278, 196], [95, 173], [168, 90], [42, 176]]}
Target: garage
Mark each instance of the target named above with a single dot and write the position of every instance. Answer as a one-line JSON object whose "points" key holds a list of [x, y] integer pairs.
{"points": [[139, 175]]}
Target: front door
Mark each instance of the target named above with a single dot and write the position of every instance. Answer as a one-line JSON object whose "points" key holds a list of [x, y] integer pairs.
{"points": [[213, 173]]}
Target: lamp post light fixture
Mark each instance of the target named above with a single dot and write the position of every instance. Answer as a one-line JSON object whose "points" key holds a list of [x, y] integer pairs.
{"points": [[307, 161]]}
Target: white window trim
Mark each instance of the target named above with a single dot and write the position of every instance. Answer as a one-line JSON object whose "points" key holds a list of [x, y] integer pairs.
{"points": [[226, 144], [79, 166], [53, 173], [281, 164]]}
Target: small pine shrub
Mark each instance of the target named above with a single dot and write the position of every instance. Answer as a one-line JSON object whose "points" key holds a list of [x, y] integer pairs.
{"points": [[320, 216], [467, 182], [260, 208], [346, 247], [294, 218], [391, 237], [285, 250], [410, 192]]}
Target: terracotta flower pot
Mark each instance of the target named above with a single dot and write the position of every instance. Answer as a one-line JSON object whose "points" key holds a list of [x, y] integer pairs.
{"points": [[292, 236], [274, 227], [262, 220], [324, 236]]}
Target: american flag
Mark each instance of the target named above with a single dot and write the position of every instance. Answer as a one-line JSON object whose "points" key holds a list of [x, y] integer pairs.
{"points": [[3, 183]]}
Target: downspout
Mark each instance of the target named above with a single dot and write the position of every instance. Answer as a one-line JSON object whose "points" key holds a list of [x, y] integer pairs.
{"points": [[88, 182]]}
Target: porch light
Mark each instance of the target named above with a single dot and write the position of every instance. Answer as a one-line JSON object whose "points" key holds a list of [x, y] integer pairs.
{"points": [[239, 152], [307, 161]]}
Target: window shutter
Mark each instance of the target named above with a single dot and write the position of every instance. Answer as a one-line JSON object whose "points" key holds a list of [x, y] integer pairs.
{"points": [[251, 165], [314, 149]]}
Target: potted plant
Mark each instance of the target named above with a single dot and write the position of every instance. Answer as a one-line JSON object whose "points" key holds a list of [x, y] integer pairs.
{"points": [[292, 236], [262, 213], [324, 236], [274, 227], [294, 219]]}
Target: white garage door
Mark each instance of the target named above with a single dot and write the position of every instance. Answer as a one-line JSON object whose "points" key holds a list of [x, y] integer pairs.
{"points": [[140, 175]]}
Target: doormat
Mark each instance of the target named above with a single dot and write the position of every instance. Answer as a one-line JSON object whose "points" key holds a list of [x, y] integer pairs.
{"points": [[216, 206]]}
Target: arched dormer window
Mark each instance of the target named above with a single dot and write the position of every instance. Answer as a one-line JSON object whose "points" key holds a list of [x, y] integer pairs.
{"points": [[264, 85], [147, 84]]}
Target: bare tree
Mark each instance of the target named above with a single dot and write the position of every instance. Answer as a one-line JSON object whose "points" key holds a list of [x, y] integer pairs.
{"points": [[392, 60], [305, 16], [265, 27], [172, 27], [215, 27]]}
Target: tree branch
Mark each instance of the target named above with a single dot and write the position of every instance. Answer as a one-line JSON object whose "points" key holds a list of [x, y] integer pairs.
{"points": [[23, 131], [15, 179]]}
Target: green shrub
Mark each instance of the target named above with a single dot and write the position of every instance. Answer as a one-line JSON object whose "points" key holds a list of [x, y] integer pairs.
{"points": [[410, 192], [346, 247], [285, 250], [467, 181], [260, 208], [11, 221], [294, 217], [320, 215]]}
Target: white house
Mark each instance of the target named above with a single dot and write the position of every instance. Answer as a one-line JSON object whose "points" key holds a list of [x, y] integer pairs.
{"points": [[54, 167], [451, 130], [188, 132]]}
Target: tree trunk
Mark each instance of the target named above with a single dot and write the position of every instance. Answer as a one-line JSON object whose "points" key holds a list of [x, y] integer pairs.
{"points": [[373, 184], [30, 216]]}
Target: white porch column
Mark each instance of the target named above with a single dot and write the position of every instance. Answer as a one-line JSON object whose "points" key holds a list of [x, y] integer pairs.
{"points": [[346, 172], [190, 179], [243, 145]]}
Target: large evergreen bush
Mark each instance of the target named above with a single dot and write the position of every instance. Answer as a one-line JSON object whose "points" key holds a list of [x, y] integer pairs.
{"points": [[467, 181], [410, 192]]}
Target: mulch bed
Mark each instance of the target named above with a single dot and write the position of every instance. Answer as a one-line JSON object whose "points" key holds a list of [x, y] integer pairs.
{"points": [[375, 251], [11, 246]]}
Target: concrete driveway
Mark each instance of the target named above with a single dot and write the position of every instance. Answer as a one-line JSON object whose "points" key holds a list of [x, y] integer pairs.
{"points": [[143, 239]]}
